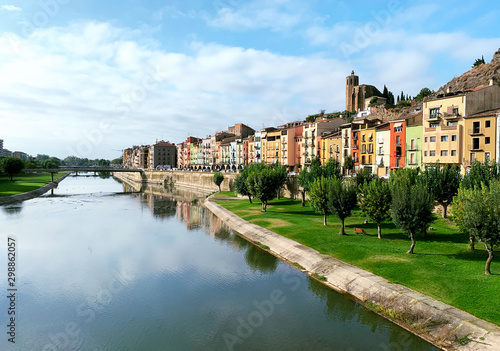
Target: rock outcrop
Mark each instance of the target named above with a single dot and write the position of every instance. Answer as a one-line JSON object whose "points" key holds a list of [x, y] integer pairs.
{"points": [[477, 76]]}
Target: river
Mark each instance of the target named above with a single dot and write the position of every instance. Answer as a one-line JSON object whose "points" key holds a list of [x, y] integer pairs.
{"points": [[100, 268]]}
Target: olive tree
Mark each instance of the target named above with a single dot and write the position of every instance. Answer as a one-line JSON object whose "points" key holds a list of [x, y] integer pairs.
{"points": [[375, 201], [319, 194], [263, 185], [443, 184], [482, 217], [342, 198], [218, 179], [240, 181], [411, 209]]}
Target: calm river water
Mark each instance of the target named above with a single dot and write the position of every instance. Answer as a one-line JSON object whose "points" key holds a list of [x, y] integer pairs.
{"points": [[98, 268]]}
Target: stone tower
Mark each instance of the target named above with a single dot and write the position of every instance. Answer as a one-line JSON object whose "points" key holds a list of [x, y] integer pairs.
{"points": [[351, 98]]}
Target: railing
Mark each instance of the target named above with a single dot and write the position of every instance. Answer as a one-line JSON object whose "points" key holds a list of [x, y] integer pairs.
{"points": [[474, 147], [476, 131]]}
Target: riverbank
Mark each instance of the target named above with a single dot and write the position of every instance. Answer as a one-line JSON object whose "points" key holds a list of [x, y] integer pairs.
{"points": [[42, 189], [437, 322]]}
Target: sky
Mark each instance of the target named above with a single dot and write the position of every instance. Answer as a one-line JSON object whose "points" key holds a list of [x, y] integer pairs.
{"points": [[91, 78]]}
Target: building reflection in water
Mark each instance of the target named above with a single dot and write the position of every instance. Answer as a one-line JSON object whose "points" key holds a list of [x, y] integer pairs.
{"points": [[185, 206]]}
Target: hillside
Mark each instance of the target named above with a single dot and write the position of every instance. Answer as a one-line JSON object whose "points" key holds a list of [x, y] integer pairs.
{"points": [[477, 76]]}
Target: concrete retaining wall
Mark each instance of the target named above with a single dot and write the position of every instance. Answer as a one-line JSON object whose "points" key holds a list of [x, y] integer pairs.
{"points": [[443, 323], [31, 194], [185, 179]]}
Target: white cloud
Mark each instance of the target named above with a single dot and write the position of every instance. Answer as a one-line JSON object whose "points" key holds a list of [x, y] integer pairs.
{"points": [[10, 8], [276, 15], [59, 85]]}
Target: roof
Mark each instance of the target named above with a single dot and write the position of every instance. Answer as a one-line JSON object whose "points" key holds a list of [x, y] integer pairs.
{"points": [[163, 143], [488, 113]]}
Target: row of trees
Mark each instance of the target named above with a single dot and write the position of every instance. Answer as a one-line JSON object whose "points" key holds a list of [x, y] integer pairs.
{"points": [[408, 198]]}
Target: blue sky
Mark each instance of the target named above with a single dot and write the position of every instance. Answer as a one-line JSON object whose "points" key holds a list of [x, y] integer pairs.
{"points": [[89, 78]]}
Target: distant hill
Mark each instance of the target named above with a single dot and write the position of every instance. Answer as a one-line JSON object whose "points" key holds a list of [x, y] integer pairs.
{"points": [[476, 77]]}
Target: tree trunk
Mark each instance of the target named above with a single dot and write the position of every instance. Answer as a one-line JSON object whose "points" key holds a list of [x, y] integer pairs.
{"points": [[488, 261], [264, 206], [412, 237], [324, 219], [278, 194], [219, 188], [303, 193], [11, 177], [472, 242], [250, 198], [445, 209], [342, 231], [379, 231]]}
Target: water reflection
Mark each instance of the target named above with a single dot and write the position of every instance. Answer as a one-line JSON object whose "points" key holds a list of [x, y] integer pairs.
{"points": [[13, 209]]}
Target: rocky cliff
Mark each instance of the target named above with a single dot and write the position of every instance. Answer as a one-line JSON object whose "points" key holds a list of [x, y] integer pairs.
{"points": [[476, 77]]}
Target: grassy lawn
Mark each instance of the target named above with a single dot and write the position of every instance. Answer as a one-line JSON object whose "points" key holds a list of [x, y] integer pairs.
{"points": [[442, 267], [25, 182], [225, 194]]}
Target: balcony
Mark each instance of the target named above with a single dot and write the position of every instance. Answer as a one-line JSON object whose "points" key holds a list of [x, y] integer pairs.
{"points": [[476, 131], [354, 137], [355, 147], [450, 116], [475, 147], [449, 128], [432, 129]]}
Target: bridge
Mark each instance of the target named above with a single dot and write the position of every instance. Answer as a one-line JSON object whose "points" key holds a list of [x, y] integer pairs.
{"points": [[80, 169]]}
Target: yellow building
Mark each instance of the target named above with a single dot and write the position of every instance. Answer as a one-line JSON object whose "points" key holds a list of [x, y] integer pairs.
{"points": [[331, 147], [444, 129], [367, 148], [271, 148], [480, 137]]}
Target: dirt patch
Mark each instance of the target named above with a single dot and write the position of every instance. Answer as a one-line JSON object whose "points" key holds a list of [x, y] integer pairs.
{"points": [[274, 222]]}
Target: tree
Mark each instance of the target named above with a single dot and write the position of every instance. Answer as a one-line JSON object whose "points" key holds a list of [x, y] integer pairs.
{"points": [[49, 164], [363, 175], [480, 174], [411, 209], [218, 179], [342, 197], [385, 92], [263, 185], [424, 92], [348, 163], [479, 62], [375, 201], [11, 166], [280, 174], [482, 217], [405, 177], [458, 205], [443, 183], [331, 169], [117, 161], [319, 194], [240, 181]]}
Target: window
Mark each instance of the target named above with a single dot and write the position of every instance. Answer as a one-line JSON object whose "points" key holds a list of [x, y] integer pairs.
{"points": [[363, 138], [412, 158], [444, 138], [453, 138], [475, 143], [398, 129], [476, 127], [486, 156], [488, 124], [432, 139], [453, 152], [434, 112], [381, 150], [434, 125], [398, 140], [425, 139], [444, 153], [425, 153], [432, 153], [455, 111], [370, 149], [412, 144], [487, 140], [452, 124]]}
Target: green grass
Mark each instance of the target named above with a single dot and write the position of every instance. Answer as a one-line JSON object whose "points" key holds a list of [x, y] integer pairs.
{"points": [[225, 194], [25, 182], [442, 267]]}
